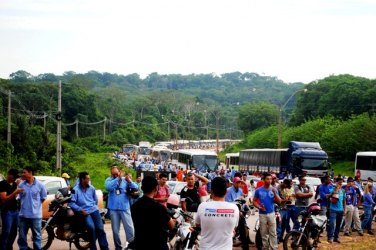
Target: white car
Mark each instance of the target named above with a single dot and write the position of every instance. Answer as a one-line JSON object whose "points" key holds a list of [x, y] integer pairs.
{"points": [[175, 187], [52, 185], [310, 181]]}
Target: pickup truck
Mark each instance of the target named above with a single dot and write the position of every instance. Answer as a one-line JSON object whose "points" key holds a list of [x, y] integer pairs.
{"points": [[53, 184]]}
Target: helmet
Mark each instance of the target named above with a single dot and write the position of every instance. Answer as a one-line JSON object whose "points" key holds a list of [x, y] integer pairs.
{"points": [[314, 208], [65, 175], [173, 201]]}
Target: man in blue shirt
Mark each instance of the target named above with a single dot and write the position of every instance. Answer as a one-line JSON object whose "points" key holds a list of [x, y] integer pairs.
{"points": [[85, 202], [235, 191], [118, 204], [352, 213], [325, 189], [337, 210], [264, 201], [33, 195]]}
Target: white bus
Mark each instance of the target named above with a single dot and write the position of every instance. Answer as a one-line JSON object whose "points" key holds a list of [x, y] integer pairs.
{"points": [[202, 160], [161, 153], [129, 149], [232, 160], [365, 165]]}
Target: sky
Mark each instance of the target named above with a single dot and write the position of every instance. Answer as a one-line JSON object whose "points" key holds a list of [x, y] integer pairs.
{"points": [[294, 40]]}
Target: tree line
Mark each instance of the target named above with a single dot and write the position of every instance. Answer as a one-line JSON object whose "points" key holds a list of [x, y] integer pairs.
{"points": [[162, 107]]}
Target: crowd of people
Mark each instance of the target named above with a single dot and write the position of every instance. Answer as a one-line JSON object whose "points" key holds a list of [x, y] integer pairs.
{"points": [[140, 207]]}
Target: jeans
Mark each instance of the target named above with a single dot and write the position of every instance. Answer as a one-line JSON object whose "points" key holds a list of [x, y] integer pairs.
{"points": [[9, 229], [367, 220], [96, 229], [24, 224], [118, 216], [286, 215], [268, 228], [335, 220], [352, 216], [296, 214]]}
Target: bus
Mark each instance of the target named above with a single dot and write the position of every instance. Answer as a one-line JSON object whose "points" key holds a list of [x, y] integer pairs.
{"points": [[161, 153], [300, 158], [129, 149], [365, 165], [202, 160], [232, 160], [143, 150]]}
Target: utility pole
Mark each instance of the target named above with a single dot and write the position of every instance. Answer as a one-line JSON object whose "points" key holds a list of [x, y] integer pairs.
{"points": [[217, 130], [168, 129], [176, 136], [279, 143], [44, 121], [58, 136], [76, 121], [9, 134], [104, 129]]}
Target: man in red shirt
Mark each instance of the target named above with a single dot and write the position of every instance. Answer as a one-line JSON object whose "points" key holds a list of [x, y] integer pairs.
{"points": [[260, 183], [245, 185]]}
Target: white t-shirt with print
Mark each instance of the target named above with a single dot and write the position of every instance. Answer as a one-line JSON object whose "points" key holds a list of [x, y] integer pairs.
{"points": [[218, 220]]}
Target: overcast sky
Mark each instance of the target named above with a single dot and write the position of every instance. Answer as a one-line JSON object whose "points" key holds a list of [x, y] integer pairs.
{"points": [[294, 40]]}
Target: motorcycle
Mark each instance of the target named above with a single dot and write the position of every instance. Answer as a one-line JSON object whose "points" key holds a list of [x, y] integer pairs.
{"points": [[64, 224], [312, 224], [184, 235], [242, 230], [258, 238]]}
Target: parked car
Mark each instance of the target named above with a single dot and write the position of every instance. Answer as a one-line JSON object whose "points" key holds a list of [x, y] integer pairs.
{"points": [[53, 184], [175, 187], [310, 181]]}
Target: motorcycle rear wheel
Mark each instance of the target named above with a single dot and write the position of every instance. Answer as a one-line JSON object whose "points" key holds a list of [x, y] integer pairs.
{"points": [[290, 241], [47, 237], [82, 241]]}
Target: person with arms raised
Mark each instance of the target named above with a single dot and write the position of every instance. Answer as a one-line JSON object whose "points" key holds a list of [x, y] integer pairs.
{"points": [[119, 206]]}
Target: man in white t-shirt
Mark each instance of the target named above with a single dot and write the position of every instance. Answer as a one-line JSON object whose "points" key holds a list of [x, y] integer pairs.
{"points": [[217, 219]]}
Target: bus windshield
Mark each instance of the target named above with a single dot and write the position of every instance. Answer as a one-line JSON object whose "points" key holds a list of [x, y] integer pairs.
{"points": [[165, 155], [144, 150], [129, 149], [313, 163], [205, 162], [366, 162]]}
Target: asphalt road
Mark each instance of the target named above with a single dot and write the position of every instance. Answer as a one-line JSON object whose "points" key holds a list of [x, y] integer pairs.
{"points": [[63, 245]]}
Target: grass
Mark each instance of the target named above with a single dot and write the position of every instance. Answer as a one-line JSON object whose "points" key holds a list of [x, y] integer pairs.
{"points": [[97, 165], [345, 168]]}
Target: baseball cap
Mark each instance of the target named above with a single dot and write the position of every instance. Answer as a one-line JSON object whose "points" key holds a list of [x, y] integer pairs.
{"points": [[65, 175], [237, 179]]}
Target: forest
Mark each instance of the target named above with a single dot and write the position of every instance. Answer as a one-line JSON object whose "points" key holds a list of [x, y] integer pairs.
{"points": [[102, 111]]}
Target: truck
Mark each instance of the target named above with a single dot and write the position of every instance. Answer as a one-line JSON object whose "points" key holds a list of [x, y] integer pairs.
{"points": [[299, 158]]}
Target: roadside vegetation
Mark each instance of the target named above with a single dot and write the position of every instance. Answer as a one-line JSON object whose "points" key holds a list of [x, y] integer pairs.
{"points": [[103, 111]]}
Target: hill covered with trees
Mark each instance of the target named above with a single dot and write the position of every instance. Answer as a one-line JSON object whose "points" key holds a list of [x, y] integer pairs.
{"points": [[102, 111]]}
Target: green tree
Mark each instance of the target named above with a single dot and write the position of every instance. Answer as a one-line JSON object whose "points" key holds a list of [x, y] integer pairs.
{"points": [[257, 115]]}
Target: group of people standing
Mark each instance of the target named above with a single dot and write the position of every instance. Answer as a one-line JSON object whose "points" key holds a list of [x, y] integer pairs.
{"points": [[21, 208], [140, 206]]}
